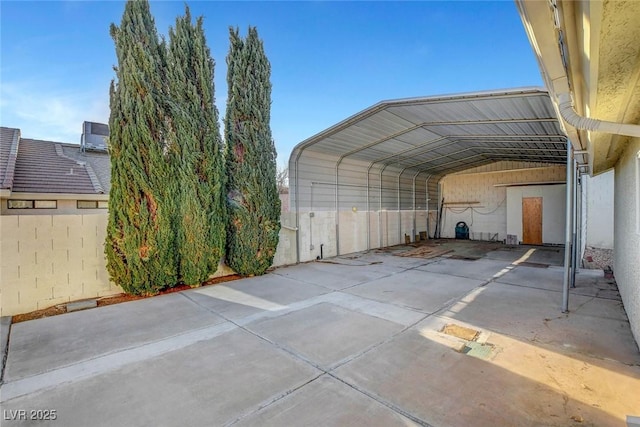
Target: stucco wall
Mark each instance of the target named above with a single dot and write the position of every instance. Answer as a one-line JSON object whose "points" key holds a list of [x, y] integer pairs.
{"points": [[599, 210], [627, 232], [489, 216]]}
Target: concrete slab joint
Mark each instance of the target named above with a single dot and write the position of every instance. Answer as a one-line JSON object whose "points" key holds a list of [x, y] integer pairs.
{"points": [[368, 339]]}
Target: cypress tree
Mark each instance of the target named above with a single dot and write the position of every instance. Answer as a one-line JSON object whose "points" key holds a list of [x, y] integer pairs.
{"points": [[140, 239], [197, 158], [252, 193]]}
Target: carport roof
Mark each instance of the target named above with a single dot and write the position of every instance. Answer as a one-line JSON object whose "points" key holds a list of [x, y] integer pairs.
{"points": [[445, 134]]}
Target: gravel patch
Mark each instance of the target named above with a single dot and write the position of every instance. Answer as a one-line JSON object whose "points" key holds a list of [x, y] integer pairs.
{"points": [[598, 258]]}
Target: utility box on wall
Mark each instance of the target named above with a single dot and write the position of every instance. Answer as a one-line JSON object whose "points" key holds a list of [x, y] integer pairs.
{"points": [[536, 213]]}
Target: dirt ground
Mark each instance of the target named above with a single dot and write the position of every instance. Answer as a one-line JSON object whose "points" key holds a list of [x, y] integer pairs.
{"points": [[116, 299]]}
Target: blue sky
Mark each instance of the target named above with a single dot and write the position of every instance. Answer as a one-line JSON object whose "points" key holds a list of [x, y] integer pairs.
{"points": [[329, 60]]}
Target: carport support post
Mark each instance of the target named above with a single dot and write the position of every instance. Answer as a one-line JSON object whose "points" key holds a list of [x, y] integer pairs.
{"points": [[337, 210], [399, 214], [426, 197], [413, 236], [574, 206], [568, 230], [368, 213]]}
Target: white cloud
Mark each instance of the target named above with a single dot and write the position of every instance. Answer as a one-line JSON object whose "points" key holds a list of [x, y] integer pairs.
{"points": [[43, 111]]}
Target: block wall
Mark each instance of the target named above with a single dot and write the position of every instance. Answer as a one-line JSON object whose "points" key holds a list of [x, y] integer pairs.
{"points": [[52, 259], [46, 260]]}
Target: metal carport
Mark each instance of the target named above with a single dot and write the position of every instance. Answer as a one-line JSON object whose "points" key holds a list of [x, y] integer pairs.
{"points": [[392, 156]]}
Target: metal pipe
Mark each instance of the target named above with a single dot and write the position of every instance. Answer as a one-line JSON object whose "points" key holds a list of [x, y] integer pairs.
{"points": [[311, 221], [579, 223], [438, 228], [567, 226], [368, 215], [574, 253], [380, 210], [337, 221], [426, 194], [413, 237], [399, 214], [297, 196]]}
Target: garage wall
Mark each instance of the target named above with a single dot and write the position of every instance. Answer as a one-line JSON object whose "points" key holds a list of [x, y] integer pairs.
{"points": [[487, 219], [553, 210], [599, 214]]}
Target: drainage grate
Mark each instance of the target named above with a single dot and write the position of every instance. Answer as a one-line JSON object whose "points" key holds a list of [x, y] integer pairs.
{"points": [[477, 350]]}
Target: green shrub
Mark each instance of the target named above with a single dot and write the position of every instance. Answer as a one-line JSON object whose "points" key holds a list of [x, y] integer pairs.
{"points": [[252, 194]]}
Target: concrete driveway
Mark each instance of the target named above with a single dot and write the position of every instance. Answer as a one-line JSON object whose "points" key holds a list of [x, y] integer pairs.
{"points": [[368, 339]]}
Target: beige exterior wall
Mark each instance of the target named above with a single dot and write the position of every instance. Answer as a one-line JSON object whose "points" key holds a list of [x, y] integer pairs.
{"points": [[51, 259], [627, 233], [489, 216]]}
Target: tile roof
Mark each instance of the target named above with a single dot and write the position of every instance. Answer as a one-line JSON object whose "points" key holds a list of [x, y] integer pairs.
{"points": [[9, 139], [42, 167], [34, 166], [97, 162]]}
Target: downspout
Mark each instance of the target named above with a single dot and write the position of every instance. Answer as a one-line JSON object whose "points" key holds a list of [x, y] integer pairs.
{"points": [[569, 114]]}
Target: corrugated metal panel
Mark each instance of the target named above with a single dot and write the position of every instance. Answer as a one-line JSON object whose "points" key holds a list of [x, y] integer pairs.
{"points": [[392, 156]]}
